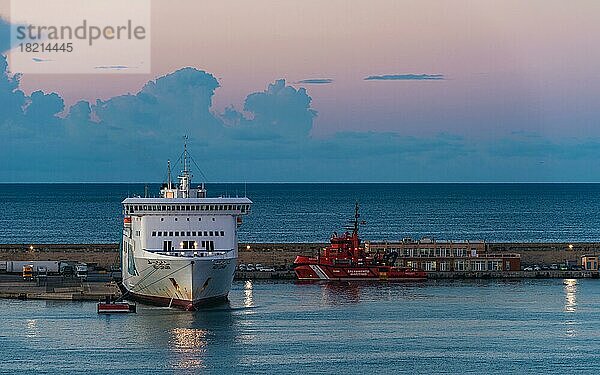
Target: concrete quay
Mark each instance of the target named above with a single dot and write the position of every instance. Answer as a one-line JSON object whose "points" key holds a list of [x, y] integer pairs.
{"points": [[281, 255], [86, 291]]}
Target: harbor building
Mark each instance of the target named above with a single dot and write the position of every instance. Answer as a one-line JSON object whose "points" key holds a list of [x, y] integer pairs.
{"points": [[452, 256], [589, 262]]}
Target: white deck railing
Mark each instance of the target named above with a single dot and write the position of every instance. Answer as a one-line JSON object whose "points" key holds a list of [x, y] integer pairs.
{"points": [[195, 253]]}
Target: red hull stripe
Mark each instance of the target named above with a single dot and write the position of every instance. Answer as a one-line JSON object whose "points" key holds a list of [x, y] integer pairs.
{"points": [[179, 303]]}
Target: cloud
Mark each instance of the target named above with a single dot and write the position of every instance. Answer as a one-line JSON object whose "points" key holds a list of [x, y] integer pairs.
{"points": [[178, 102], [128, 137], [113, 67], [38, 60], [315, 81], [4, 35], [12, 99], [279, 112], [407, 77]]}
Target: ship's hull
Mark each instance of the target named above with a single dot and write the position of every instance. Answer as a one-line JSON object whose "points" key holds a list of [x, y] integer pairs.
{"points": [[367, 273], [185, 283]]}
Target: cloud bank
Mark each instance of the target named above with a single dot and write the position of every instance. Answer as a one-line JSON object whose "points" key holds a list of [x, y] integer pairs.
{"points": [[4, 35], [406, 77], [129, 137], [315, 81]]}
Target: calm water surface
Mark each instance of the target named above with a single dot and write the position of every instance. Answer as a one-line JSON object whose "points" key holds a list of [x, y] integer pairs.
{"points": [[532, 326], [91, 213]]}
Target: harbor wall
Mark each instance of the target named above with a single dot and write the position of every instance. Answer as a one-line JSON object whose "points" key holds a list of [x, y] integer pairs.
{"points": [[283, 254], [103, 255]]}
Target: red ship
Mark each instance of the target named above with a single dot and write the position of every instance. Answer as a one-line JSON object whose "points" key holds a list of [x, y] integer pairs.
{"points": [[345, 259]]}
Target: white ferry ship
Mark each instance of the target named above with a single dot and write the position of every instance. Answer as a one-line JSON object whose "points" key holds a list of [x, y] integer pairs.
{"points": [[180, 249]]}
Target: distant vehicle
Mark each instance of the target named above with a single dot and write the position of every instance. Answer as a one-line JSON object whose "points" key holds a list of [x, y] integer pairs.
{"points": [[554, 267], [81, 271], [42, 272], [242, 267], [250, 267], [66, 269], [563, 267], [266, 269], [28, 272], [536, 268], [16, 266], [529, 268]]}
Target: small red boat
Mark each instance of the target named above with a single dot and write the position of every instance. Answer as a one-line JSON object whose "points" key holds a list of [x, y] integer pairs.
{"points": [[110, 307], [345, 259]]}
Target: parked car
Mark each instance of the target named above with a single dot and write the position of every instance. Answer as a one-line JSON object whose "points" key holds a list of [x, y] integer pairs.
{"points": [[28, 272], [250, 267], [242, 267], [528, 268], [81, 271], [266, 269], [42, 272]]}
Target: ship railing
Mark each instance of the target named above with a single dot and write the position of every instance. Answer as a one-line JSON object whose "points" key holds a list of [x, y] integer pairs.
{"points": [[196, 253]]}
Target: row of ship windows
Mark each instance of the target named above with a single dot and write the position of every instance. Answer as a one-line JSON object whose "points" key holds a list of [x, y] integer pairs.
{"points": [[189, 234], [461, 265], [187, 207], [432, 252]]}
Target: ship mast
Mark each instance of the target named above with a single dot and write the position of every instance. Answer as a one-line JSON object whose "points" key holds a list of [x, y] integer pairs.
{"points": [[356, 216], [169, 184], [185, 175]]}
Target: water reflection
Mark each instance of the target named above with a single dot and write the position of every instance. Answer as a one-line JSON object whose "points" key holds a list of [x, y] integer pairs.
{"points": [[337, 293], [248, 294], [32, 329], [190, 345], [570, 287], [188, 340]]}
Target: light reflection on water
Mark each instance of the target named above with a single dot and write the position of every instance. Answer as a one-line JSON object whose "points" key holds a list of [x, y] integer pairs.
{"points": [[525, 326], [32, 330], [570, 288], [248, 300], [570, 295], [190, 345]]}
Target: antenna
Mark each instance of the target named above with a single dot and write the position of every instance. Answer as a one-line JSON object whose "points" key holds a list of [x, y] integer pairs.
{"points": [[185, 155], [169, 174], [356, 216]]}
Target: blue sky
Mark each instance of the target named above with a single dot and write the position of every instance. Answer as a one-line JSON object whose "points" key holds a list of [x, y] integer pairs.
{"points": [[422, 115]]}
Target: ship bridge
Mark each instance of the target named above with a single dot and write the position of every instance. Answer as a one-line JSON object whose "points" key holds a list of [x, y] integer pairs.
{"points": [[162, 206]]}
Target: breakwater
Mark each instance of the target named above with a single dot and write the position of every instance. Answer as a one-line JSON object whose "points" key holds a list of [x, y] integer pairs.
{"points": [[282, 255]]}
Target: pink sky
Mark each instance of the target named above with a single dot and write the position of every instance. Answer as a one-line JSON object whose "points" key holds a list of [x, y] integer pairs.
{"points": [[510, 65]]}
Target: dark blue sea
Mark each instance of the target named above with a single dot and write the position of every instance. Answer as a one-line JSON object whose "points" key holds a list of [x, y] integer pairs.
{"points": [[453, 327], [91, 213], [434, 327]]}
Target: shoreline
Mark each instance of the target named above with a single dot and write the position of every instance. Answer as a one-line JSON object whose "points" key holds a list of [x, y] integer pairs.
{"points": [[281, 255]]}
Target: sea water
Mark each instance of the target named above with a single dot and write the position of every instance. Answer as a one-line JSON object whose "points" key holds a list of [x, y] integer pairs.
{"points": [[91, 213], [454, 327]]}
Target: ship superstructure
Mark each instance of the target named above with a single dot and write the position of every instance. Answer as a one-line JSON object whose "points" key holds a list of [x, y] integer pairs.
{"points": [[345, 259], [181, 248]]}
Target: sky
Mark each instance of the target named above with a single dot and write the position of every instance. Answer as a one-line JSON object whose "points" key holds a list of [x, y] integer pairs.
{"points": [[332, 91]]}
